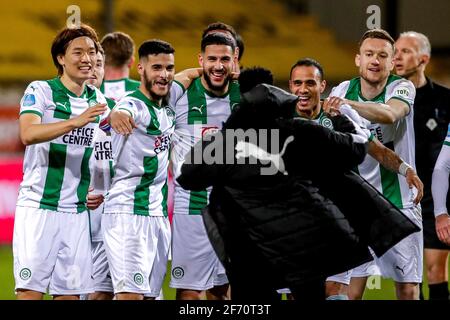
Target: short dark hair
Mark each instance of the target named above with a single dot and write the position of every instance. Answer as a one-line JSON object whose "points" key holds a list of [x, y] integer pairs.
{"points": [[216, 26], [240, 45], [217, 38], [251, 77], [308, 62], [65, 36], [155, 46], [100, 49], [376, 34], [119, 48]]}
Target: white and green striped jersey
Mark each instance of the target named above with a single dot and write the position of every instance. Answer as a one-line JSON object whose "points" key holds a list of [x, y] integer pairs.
{"points": [[361, 134], [398, 137], [198, 112], [117, 89], [439, 185], [101, 175], [57, 173], [141, 159]]}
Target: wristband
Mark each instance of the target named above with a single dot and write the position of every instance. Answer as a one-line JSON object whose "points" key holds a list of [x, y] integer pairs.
{"points": [[403, 168]]}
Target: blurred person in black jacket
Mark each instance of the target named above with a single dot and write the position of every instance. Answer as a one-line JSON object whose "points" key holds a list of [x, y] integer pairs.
{"points": [[277, 230]]}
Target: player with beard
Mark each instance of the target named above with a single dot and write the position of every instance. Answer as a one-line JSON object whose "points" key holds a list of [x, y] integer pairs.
{"points": [[135, 225], [202, 109], [307, 82], [386, 101]]}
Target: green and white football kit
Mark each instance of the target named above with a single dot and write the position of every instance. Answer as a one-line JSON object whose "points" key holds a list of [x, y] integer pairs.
{"points": [[51, 242], [136, 229], [117, 89], [403, 262], [102, 175], [199, 112]]}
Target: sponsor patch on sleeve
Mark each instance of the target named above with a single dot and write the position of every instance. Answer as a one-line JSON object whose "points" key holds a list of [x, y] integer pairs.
{"points": [[402, 92], [29, 100]]}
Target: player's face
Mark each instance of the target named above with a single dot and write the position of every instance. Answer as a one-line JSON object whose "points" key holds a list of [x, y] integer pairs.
{"points": [[157, 72], [306, 83], [217, 64], [79, 60], [375, 60], [99, 71], [407, 57]]}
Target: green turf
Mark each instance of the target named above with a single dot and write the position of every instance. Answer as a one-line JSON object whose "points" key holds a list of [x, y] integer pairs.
{"points": [[382, 290]]}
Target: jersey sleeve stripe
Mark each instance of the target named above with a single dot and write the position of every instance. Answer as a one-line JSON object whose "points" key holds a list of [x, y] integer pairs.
{"points": [[31, 111]]}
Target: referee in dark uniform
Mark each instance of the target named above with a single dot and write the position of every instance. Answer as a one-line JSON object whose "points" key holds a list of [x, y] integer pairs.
{"points": [[431, 118]]}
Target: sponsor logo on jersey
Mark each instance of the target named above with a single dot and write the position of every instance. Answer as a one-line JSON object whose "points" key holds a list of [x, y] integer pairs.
{"points": [[25, 274], [402, 92], [79, 136], [177, 272], [29, 100], [198, 109], [162, 143], [376, 131], [209, 130], [103, 150]]}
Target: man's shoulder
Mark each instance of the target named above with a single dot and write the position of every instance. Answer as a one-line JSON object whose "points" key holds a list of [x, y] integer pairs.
{"points": [[440, 89]]}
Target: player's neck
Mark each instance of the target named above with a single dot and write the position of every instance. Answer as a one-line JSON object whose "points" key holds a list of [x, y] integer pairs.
{"points": [[371, 90], [418, 79], [150, 97], [116, 73], [215, 92], [75, 86]]}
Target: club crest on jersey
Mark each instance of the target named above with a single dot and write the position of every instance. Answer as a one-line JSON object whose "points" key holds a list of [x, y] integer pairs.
{"points": [[170, 113], [326, 122], [178, 272], [29, 100]]}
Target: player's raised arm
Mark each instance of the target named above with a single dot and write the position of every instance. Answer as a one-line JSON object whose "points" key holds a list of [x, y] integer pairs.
{"points": [[33, 131]]}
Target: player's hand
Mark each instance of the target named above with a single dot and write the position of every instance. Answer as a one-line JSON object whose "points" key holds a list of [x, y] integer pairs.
{"points": [[443, 228], [331, 105], [413, 180], [122, 122], [89, 115], [94, 200]]}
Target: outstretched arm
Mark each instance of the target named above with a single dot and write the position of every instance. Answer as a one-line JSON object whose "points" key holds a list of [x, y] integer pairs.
{"points": [[439, 189], [391, 161], [385, 113], [186, 76]]}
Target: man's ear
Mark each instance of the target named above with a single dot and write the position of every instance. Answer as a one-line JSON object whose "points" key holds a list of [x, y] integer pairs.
{"points": [[200, 59], [323, 85], [140, 69]]}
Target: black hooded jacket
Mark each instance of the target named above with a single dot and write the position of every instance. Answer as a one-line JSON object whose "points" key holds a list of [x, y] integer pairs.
{"points": [[293, 229]]}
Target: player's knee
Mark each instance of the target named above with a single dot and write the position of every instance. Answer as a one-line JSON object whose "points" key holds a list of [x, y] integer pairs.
{"points": [[101, 296], [185, 294], [218, 292], [333, 288], [407, 291]]}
